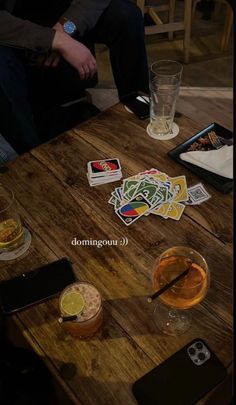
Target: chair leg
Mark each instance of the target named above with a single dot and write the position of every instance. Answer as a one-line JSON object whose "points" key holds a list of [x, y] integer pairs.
{"points": [[227, 28], [187, 28], [171, 17], [217, 10], [194, 7]]}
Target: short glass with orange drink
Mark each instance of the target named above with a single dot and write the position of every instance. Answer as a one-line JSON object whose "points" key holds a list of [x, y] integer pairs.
{"points": [[11, 229], [82, 302]]}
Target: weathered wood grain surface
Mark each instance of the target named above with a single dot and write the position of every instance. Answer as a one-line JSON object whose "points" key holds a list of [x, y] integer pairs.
{"points": [[57, 204]]}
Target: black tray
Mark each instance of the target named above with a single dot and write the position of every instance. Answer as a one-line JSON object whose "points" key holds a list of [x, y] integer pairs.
{"points": [[219, 182]]}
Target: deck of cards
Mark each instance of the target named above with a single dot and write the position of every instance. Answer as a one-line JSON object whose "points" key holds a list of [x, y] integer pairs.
{"points": [[150, 192], [103, 171]]}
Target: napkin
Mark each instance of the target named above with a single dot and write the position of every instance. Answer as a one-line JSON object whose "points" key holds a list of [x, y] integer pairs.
{"points": [[219, 161]]}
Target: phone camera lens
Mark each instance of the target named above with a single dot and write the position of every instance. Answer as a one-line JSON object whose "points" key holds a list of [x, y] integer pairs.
{"points": [[199, 345], [201, 356], [192, 351]]}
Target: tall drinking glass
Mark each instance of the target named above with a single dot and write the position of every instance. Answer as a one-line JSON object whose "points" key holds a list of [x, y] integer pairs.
{"points": [[11, 230], [164, 81], [170, 314]]}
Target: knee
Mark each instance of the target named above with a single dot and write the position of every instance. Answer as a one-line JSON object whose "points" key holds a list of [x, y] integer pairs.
{"points": [[128, 17], [132, 11], [134, 14]]}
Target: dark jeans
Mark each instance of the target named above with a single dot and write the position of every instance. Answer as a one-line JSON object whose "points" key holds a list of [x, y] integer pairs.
{"points": [[120, 28]]}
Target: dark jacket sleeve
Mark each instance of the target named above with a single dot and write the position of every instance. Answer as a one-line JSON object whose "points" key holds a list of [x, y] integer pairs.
{"points": [[20, 33], [25, 34], [85, 13]]}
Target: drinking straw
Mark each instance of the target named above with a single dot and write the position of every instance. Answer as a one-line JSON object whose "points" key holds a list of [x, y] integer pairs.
{"points": [[67, 318], [169, 285]]}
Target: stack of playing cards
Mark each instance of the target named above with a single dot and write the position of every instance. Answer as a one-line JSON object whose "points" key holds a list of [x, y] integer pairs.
{"points": [[103, 171], [150, 192]]}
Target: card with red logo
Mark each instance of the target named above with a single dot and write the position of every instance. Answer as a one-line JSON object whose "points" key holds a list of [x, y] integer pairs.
{"points": [[105, 167]]}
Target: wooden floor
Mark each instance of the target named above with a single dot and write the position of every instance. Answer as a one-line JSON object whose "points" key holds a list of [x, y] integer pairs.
{"points": [[202, 104], [207, 105]]}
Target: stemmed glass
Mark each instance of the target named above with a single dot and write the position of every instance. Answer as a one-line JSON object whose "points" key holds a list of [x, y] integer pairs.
{"points": [[170, 313]]}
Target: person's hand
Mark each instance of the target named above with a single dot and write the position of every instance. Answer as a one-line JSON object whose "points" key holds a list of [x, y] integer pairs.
{"points": [[75, 53], [53, 59]]}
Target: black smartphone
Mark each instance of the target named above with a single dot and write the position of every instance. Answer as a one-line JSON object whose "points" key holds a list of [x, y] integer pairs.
{"points": [[183, 378], [137, 103], [35, 286]]}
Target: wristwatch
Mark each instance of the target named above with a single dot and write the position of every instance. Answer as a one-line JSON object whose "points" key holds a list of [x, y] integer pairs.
{"points": [[68, 26]]}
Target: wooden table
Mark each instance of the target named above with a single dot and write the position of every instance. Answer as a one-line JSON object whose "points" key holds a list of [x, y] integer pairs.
{"points": [[57, 204]]}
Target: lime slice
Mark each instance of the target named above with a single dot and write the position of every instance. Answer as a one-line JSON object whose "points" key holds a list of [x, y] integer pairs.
{"points": [[72, 303]]}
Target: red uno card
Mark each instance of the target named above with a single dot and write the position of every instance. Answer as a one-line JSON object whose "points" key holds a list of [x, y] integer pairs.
{"points": [[103, 167]]}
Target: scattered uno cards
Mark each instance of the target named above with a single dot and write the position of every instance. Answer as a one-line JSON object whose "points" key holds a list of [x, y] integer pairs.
{"points": [[103, 171], [150, 192]]}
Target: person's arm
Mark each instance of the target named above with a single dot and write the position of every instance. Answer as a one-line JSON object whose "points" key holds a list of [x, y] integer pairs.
{"points": [[85, 13], [75, 53], [24, 34]]}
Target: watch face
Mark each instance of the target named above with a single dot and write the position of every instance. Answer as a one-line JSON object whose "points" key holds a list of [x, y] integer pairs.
{"points": [[69, 27]]}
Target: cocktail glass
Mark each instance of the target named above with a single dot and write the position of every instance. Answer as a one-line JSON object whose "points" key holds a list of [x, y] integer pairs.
{"points": [[83, 301], [170, 313]]}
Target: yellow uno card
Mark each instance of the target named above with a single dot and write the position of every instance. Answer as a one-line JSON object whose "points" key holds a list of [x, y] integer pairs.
{"points": [[179, 188], [175, 211], [160, 176], [162, 211]]}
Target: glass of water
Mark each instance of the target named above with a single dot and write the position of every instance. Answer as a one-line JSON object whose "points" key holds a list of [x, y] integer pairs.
{"points": [[164, 80]]}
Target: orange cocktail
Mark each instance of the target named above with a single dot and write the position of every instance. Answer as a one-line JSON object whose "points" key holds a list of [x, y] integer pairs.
{"points": [[83, 301], [11, 229], [188, 291], [170, 315]]}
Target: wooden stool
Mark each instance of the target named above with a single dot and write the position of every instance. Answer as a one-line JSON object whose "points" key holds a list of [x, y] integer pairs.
{"points": [[228, 20], [227, 27], [171, 26]]}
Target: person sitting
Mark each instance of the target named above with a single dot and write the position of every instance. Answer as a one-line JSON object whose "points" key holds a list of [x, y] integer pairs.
{"points": [[42, 41]]}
